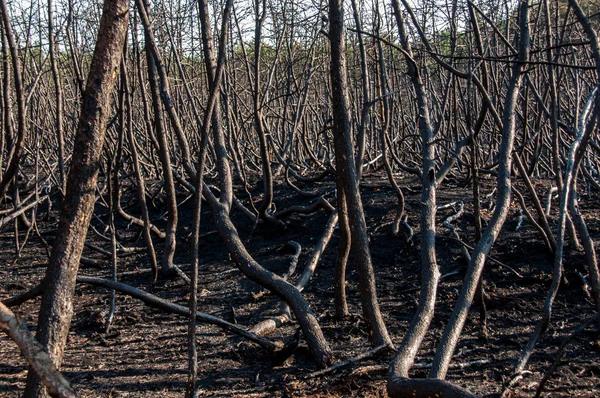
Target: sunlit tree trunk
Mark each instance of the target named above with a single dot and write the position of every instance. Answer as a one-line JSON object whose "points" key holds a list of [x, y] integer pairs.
{"points": [[59, 283]]}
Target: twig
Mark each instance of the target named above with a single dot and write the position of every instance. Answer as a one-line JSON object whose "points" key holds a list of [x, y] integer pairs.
{"points": [[533, 222], [347, 362], [448, 205], [408, 229], [385, 368], [490, 258], [520, 222], [560, 351], [455, 216]]}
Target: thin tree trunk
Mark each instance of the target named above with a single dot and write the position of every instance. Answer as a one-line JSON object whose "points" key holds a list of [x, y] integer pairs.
{"points": [[219, 143], [366, 103], [259, 125], [346, 169], [141, 186], [340, 302], [454, 328], [430, 271], [164, 154], [584, 128], [18, 144], [59, 100], [212, 100]]}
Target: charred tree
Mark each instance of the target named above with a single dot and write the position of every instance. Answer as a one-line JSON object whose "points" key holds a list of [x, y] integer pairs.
{"points": [[347, 178], [59, 283]]}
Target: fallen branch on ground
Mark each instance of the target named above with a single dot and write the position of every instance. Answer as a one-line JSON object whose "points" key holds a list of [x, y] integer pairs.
{"points": [[422, 365], [35, 354], [165, 305]]}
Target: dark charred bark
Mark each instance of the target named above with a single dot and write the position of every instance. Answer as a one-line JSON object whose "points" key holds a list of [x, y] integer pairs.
{"points": [[430, 271], [277, 285], [473, 276], [219, 143], [168, 268], [347, 180], [15, 151], [59, 99], [59, 283]]}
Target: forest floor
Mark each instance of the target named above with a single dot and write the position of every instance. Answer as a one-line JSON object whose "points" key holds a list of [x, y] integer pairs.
{"points": [[145, 352]]}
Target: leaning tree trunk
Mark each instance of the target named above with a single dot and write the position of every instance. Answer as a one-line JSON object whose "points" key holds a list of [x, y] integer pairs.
{"points": [[457, 320], [35, 354], [59, 283], [315, 339], [219, 146]]}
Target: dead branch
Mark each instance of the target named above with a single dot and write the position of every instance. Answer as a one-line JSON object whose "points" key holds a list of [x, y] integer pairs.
{"points": [[154, 301], [18, 212], [35, 354]]}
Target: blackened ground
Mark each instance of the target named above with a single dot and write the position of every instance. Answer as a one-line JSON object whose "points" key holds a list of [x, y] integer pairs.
{"points": [[145, 353]]}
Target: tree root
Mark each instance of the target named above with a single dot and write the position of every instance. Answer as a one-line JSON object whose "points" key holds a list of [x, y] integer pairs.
{"points": [[401, 387]]}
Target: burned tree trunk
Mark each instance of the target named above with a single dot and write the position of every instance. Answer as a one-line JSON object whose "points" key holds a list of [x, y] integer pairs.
{"points": [[14, 155], [459, 316], [430, 270], [347, 180], [57, 300]]}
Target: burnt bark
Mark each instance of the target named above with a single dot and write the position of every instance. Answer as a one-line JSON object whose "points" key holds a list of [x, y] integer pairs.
{"points": [[16, 150], [35, 354], [347, 180], [473, 276], [430, 271], [277, 285], [59, 283], [168, 268]]}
